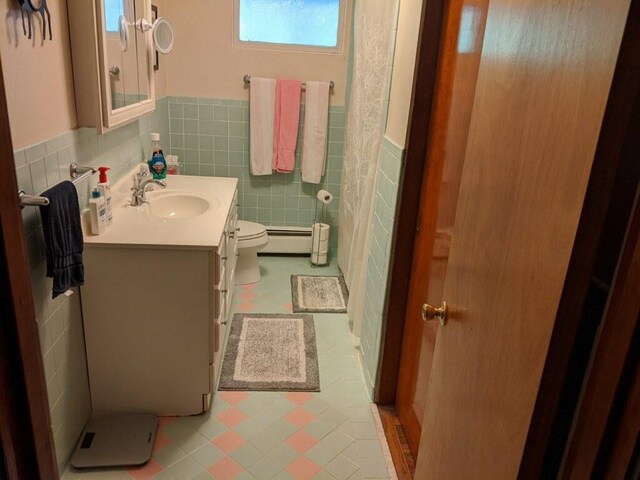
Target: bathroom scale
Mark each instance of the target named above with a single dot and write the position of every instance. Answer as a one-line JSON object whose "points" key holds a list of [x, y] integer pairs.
{"points": [[116, 441]]}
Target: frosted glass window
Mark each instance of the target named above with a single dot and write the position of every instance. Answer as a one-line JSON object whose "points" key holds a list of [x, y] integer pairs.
{"points": [[112, 11], [292, 22]]}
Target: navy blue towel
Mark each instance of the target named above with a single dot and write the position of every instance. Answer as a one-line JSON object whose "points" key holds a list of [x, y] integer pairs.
{"points": [[63, 237]]}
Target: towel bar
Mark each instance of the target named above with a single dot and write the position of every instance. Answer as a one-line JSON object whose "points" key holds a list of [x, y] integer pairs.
{"points": [[247, 81], [77, 174]]}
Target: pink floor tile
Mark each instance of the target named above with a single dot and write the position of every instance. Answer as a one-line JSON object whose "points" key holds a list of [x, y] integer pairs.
{"points": [[234, 398], [300, 417], [160, 441], [246, 307], [225, 469], [228, 441], [298, 397], [303, 468], [248, 296], [164, 421], [147, 471], [301, 441], [288, 307], [231, 417]]}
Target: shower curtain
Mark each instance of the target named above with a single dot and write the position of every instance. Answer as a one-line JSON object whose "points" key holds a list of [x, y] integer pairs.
{"points": [[375, 23]]}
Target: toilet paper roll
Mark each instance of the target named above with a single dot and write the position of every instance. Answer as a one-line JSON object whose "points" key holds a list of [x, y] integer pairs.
{"points": [[320, 237], [319, 259], [324, 196], [320, 231], [321, 246]]}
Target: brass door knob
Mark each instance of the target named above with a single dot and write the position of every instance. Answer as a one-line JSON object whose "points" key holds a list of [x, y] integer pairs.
{"points": [[429, 312]]}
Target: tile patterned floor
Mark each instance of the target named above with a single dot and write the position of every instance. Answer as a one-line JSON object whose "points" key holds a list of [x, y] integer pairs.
{"points": [[328, 435]]}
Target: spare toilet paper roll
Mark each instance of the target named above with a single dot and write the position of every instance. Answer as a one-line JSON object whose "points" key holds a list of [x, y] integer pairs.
{"points": [[320, 238], [324, 196], [320, 231], [319, 258]]}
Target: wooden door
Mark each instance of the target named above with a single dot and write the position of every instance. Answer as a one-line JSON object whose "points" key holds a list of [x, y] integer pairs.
{"points": [[543, 81], [603, 440], [457, 76]]}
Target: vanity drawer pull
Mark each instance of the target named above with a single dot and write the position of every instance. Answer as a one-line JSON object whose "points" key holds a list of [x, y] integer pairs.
{"points": [[224, 258], [223, 323], [224, 291]]}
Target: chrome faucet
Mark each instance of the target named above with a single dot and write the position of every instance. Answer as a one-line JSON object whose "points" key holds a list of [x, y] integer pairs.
{"points": [[140, 189]]}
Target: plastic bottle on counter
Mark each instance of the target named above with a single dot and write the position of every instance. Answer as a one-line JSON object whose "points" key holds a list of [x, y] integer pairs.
{"points": [[105, 190], [173, 166], [97, 212], [157, 164]]}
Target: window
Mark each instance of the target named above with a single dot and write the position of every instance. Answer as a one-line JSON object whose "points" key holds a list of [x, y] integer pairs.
{"points": [[290, 22]]}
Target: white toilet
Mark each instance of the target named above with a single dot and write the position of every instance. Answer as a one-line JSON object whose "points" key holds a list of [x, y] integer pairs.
{"points": [[252, 237]]}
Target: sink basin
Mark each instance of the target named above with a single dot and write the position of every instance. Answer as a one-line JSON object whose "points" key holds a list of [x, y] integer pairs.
{"points": [[181, 205]]}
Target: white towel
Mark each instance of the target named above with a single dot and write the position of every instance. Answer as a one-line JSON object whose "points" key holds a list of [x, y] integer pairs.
{"points": [[262, 103], [314, 137]]}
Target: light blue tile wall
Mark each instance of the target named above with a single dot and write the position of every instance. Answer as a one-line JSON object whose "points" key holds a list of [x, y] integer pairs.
{"points": [[39, 167], [211, 137], [386, 196]]}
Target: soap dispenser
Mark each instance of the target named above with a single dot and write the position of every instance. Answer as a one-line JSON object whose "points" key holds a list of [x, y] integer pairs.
{"points": [[97, 213], [157, 164], [105, 190]]}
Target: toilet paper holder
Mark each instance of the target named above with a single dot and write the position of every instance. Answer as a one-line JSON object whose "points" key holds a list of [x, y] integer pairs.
{"points": [[320, 232]]}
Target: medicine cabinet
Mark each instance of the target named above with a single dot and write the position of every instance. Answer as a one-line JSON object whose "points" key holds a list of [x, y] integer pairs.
{"points": [[112, 61]]}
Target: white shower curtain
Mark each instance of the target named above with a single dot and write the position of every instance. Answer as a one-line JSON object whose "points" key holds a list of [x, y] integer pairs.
{"points": [[375, 24]]}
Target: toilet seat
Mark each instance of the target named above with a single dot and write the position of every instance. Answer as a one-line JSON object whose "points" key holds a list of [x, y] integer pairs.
{"points": [[250, 230]]}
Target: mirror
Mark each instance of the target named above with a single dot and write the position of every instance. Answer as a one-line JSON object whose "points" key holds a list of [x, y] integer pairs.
{"points": [[126, 53], [163, 35]]}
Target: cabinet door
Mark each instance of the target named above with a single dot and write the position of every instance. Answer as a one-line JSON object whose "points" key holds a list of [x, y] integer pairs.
{"points": [[147, 338], [112, 62]]}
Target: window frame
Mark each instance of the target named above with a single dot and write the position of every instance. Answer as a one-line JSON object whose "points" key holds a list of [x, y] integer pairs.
{"points": [[288, 47]]}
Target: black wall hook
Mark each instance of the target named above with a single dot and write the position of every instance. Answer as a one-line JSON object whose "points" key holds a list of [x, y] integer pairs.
{"points": [[36, 6]]}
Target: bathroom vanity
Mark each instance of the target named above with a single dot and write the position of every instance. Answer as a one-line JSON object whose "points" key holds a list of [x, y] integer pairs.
{"points": [[157, 296]]}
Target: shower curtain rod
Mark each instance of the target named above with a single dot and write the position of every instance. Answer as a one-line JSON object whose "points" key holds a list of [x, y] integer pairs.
{"points": [[247, 81]]}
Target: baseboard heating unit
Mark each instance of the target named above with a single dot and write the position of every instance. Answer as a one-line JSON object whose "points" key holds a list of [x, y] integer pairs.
{"points": [[288, 240]]}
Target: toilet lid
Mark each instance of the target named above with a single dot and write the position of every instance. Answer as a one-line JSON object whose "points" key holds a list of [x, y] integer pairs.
{"points": [[250, 230]]}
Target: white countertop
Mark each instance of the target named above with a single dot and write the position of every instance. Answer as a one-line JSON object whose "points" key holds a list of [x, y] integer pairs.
{"points": [[136, 227]]}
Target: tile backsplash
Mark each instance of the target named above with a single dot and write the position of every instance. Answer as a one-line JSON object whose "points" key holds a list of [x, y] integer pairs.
{"points": [[211, 137]]}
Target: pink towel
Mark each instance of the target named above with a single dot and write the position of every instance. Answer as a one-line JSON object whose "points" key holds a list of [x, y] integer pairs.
{"points": [[285, 125]]}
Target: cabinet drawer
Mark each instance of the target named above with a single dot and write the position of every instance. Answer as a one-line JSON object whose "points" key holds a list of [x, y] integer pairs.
{"points": [[229, 295], [222, 248], [219, 323], [222, 281]]}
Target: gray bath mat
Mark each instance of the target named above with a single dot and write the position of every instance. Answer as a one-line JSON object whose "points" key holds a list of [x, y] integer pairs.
{"points": [[320, 294], [271, 352]]}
